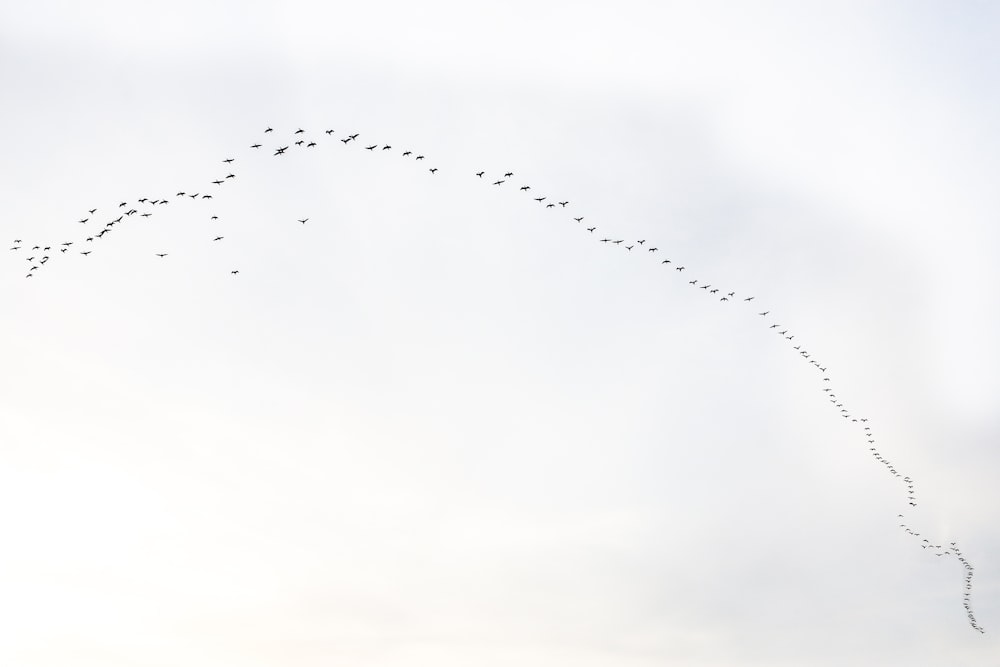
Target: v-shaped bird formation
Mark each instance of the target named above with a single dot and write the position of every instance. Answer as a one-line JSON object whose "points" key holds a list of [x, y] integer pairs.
{"points": [[125, 212]]}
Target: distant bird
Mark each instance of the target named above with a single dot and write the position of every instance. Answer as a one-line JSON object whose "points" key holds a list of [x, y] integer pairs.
{"points": [[329, 131], [84, 221], [641, 242], [666, 261], [218, 238], [227, 176], [629, 247], [591, 229], [508, 174], [304, 221], [550, 205], [255, 146], [161, 254], [498, 182], [93, 211], [345, 140], [311, 144], [693, 282], [680, 268], [480, 173], [228, 160], [386, 147], [419, 157], [432, 170], [578, 219], [371, 148], [299, 131], [353, 136], [270, 129], [749, 298], [539, 198], [764, 314], [85, 252], [605, 240], [405, 153], [218, 182], [563, 203], [234, 272], [652, 249], [300, 142]]}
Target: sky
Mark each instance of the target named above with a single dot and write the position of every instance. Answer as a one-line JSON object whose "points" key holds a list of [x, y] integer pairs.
{"points": [[440, 423]]}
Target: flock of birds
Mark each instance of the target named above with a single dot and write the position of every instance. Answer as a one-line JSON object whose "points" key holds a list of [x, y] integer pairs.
{"points": [[145, 207]]}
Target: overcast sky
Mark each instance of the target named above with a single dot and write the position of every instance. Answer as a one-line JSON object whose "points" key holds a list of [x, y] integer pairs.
{"points": [[440, 424]]}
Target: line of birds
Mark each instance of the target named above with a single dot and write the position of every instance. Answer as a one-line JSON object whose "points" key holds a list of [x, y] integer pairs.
{"points": [[146, 206]]}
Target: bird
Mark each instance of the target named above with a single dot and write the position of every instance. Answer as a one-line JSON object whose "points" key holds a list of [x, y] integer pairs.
{"points": [[749, 298], [84, 221], [353, 136], [85, 252], [329, 131], [539, 199], [228, 160], [386, 147], [550, 205], [299, 131], [525, 187], [680, 268], [218, 182], [304, 221], [419, 157], [311, 144], [93, 211], [432, 170], [641, 242], [161, 254], [508, 174], [629, 247], [480, 173], [234, 272], [578, 219], [497, 182], [764, 314], [666, 261], [591, 229], [227, 176], [652, 249], [563, 203], [218, 238], [605, 240], [371, 148], [345, 140], [405, 153], [270, 129]]}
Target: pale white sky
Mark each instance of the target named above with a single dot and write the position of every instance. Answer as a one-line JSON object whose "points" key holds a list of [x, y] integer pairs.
{"points": [[439, 424]]}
